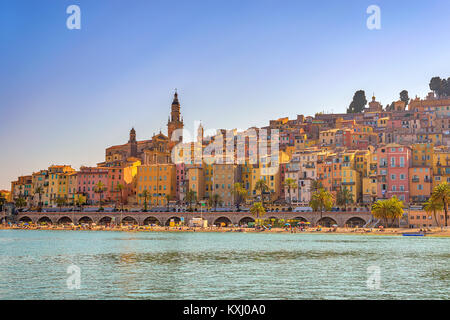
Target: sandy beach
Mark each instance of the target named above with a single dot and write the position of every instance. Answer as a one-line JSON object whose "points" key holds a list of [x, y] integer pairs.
{"points": [[434, 232]]}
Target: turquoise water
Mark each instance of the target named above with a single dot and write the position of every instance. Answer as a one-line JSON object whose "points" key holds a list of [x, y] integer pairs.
{"points": [[120, 265]]}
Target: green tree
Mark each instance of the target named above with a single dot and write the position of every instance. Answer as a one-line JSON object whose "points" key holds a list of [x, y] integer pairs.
{"points": [[441, 193], [344, 197], [290, 184], [191, 197], [61, 201], [404, 97], [120, 188], [100, 189], [441, 87], [315, 185], [358, 103], [145, 195], [433, 206], [81, 200], [20, 202], [262, 187], [257, 210], [214, 201], [240, 194], [39, 191], [321, 200], [388, 210]]}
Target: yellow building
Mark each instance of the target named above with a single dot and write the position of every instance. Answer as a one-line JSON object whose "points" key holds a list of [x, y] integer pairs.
{"points": [[434, 138], [328, 137], [441, 166], [40, 182], [72, 187], [208, 173], [159, 180], [369, 178], [196, 181], [224, 177], [351, 178], [422, 154], [247, 177], [382, 122], [302, 142], [58, 182]]}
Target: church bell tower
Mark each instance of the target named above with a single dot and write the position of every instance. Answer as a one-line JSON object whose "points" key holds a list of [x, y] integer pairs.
{"points": [[175, 120]]}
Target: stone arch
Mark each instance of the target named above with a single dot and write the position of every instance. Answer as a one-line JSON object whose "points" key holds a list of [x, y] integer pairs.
{"points": [[44, 220], [326, 222], [221, 220], [246, 220], [151, 220], [85, 220], [25, 219], [355, 221], [64, 220], [300, 219], [175, 218], [129, 220], [105, 220]]}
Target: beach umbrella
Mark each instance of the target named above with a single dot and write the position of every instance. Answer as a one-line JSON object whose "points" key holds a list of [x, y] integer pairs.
{"points": [[287, 224], [334, 225], [302, 222], [307, 222]]}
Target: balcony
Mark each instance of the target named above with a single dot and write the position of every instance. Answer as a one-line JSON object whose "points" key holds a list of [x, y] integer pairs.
{"points": [[352, 183], [415, 180]]}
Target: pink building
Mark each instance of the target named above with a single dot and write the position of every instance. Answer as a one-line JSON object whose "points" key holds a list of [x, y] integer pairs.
{"points": [[394, 161], [88, 179], [181, 181]]}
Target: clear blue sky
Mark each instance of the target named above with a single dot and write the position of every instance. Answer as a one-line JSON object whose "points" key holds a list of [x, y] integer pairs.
{"points": [[65, 95]]}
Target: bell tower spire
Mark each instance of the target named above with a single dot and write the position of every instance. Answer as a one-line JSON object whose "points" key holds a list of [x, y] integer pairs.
{"points": [[175, 120]]}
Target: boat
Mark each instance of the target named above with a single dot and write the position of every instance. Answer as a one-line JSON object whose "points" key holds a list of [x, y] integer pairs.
{"points": [[413, 234]]}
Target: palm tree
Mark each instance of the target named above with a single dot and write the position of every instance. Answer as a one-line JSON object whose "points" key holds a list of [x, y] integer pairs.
{"points": [[191, 197], [389, 209], [290, 183], [262, 187], [61, 201], [20, 202], [100, 188], [321, 200], [432, 206], [258, 210], [120, 188], [315, 186], [146, 195], [39, 190], [214, 201], [240, 193], [81, 200], [441, 193], [344, 197]]}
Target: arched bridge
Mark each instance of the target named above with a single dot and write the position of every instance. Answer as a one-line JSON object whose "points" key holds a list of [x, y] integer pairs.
{"points": [[163, 218]]}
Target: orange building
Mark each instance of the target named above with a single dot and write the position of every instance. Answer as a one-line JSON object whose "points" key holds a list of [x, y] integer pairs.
{"points": [[159, 180], [420, 183]]}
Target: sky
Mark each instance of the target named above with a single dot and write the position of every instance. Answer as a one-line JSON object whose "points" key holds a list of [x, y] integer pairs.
{"points": [[66, 95]]}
